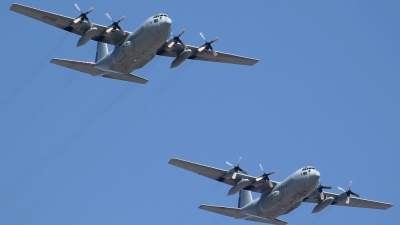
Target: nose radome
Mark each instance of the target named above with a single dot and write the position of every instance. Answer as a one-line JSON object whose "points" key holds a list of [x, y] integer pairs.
{"points": [[168, 21], [165, 23]]}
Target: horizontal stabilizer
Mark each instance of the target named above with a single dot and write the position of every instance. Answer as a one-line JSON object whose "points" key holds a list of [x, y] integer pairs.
{"points": [[265, 220], [235, 213], [89, 67], [226, 211], [84, 67]]}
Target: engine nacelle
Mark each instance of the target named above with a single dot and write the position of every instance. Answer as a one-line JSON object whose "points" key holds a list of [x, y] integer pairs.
{"points": [[181, 57], [341, 197], [270, 201], [323, 204]]}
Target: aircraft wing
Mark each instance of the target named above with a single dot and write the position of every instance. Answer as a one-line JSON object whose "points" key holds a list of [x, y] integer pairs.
{"points": [[66, 23], [354, 202], [207, 56], [218, 175]]}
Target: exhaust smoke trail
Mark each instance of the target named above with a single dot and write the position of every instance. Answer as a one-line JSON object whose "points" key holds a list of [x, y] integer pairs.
{"points": [[34, 73]]}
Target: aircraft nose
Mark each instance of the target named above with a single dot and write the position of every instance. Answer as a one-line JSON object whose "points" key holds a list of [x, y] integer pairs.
{"points": [[166, 22], [315, 174]]}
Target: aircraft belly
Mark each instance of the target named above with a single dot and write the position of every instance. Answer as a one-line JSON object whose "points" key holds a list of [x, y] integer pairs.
{"points": [[145, 50], [288, 203]]}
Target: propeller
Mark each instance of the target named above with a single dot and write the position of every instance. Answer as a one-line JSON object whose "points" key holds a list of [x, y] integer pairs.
{"points": [[321, 193], [265, 176], [114, 25], [237, 168], [177, 39], [83, 15], [207, 45], [348, 193]]}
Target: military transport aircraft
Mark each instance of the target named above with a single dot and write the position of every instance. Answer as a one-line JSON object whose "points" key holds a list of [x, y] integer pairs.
{"points": [[133, 50], [277, 198]]}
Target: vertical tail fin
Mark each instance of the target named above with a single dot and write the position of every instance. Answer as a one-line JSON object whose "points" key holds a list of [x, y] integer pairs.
{"points": [[102, 50], [244, 198]]}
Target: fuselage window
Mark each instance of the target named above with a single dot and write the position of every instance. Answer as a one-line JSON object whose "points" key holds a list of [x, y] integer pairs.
{"points": [[156, 20]]}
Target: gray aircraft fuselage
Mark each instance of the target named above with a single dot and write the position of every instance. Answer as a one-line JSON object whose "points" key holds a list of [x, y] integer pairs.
{"points": [[140, 47], [286, 196]]}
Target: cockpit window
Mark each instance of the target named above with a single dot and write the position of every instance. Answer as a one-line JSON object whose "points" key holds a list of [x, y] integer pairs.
{"points": [[308, 168], [160, 15]]}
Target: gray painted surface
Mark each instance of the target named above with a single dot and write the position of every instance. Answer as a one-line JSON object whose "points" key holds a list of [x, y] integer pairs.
{"points": [[281, 199], [133, 50]]}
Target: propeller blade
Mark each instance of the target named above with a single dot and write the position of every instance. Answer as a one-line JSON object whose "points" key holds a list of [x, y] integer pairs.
{"points": [[77, 7], [234, 175], [109, 17], [229, 163], [214, 52], [347, 200], [351, 182], [201, 48], [321, 195], [355, 194], [183, 31], [243, 171], [270, 183], [201, 34], [240, 159], [77, 20], [272, 172], [171, 44], [90, 10], [184, 45], [215, 39], [327, 187], [341, 189], [89, 22], [259, 178], [109, 29], [261, 168], [122, 18]]}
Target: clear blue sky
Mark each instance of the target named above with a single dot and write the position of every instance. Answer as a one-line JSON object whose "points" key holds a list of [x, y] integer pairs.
{"points": [[82, 150]]}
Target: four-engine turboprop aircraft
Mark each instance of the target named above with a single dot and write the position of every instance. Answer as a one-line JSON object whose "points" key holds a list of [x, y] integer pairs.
{"points": [[277, 198], [133, 50]]}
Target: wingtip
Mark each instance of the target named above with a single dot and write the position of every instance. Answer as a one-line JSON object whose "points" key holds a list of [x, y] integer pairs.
{"points": [[12, 7], [171, 161], [202, 206]]}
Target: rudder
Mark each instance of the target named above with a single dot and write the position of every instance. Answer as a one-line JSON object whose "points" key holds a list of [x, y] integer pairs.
{"points": [[102, 50], [244, 198]]}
